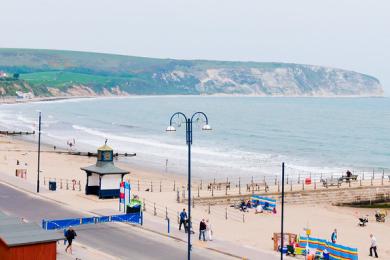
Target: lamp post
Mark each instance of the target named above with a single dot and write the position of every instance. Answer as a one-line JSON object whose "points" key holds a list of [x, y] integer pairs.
{"points": [[171, 128], [282, 217], [39, 149]]}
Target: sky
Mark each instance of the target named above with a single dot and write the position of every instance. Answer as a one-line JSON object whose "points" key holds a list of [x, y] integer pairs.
{"points": [[347, 34]]}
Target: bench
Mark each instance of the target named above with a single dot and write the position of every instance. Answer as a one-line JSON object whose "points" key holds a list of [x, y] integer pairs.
{"points": [[218, 185], [346, 178], [331, 182], [257, 186]]}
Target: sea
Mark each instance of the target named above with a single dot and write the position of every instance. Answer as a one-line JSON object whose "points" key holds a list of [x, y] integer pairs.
{"points": [[251, 136]]}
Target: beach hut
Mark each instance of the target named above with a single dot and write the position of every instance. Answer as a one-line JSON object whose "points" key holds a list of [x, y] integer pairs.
{"points": [[26, 241], [103, 178]]}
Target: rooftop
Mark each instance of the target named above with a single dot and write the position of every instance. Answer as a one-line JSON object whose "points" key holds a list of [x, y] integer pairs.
{"points": [[14, 232], [104, 168]]}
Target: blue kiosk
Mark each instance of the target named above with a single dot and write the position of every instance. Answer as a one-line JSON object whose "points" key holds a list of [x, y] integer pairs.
{"points": [[104, 178]]}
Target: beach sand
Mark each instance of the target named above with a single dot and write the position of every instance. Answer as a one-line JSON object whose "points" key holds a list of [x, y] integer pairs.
{"points": [[257, 230]]}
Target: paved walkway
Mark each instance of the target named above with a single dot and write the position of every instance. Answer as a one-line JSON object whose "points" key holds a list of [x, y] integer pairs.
{"points": [[156, 225]]}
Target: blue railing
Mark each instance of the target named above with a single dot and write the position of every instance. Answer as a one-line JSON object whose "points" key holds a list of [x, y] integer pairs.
{"points": [[135, 218]]}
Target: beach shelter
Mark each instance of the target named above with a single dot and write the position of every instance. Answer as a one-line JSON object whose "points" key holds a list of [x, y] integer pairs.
{"points": [[104, 178]]}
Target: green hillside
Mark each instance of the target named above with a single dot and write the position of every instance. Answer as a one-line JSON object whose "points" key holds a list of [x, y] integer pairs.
{"points": [[53, 72]]}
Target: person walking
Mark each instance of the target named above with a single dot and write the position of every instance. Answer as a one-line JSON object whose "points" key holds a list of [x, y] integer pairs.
{"points": [[209, 230], [202, 230], [373, 246], [70, 235], [333, 237], [183, 217]]}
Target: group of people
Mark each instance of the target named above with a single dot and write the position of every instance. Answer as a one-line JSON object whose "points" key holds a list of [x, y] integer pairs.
{"points": [[204, 226], [246, 205]]}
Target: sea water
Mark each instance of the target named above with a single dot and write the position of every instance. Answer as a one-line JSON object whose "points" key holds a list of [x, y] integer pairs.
{"points": [[250, 136]]}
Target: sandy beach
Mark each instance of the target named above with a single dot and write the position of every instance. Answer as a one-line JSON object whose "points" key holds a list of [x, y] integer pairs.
{"points": [[255, 232]]}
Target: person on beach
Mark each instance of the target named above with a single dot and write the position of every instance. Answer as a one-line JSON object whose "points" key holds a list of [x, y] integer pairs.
{"points": [[209, 230], [202, 230], [243, 206], [373, 246], [70, 235], [183, 217], [333, 237], [259, 209]]}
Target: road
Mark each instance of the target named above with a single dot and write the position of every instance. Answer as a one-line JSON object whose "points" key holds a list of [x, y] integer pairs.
{"points": [[113, 239]]}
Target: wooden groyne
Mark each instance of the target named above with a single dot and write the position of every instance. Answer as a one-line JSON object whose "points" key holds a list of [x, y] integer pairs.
{"points": [[88, 154], [16, 133]]}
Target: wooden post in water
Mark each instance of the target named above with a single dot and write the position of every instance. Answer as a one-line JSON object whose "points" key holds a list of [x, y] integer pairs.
{"points": [[193, 202], [144, 205], [276, 180], [212, 190], [138, 184], [303, 185], [154, 209], [151, 186], [226, 216], [278, 186], [178, 196], [201, 184], [315, 185], [79, 186], [160, 186], [174, 185], [299, 178], [209, 209], [243, 218], [198, 192], [290, 185]]}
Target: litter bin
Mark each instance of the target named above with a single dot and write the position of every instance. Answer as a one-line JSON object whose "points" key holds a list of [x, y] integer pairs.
{"points": [[134, 209], [308, 181], [52, 185]]}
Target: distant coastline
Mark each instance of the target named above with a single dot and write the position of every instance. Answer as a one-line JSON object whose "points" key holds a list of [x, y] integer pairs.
{"points": [[15, 100], [28, 72]]}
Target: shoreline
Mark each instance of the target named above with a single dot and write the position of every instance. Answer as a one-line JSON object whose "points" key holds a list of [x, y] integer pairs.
{"points": [[15, 100]]}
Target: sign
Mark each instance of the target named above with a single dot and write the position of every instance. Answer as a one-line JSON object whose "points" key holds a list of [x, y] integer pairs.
{"points": [[124, 194]]}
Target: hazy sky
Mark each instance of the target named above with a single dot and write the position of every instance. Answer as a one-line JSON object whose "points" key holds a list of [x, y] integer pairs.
{"points": [[349, 34]]}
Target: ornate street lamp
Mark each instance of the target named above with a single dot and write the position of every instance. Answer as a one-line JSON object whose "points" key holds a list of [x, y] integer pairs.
{"points": [[205, 127]]}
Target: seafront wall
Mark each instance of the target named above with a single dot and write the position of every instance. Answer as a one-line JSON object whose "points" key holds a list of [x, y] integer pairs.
{"points": [[332, 196]]}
